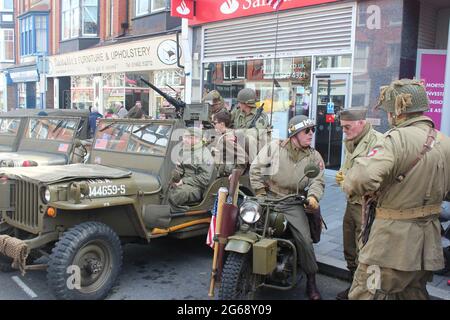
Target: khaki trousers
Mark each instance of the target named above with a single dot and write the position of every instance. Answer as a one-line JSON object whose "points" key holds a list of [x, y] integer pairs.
{"points": [[378, 283], [351, 230]]}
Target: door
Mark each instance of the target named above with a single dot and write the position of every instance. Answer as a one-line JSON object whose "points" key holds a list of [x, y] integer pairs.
{"points": [[330, 95]]}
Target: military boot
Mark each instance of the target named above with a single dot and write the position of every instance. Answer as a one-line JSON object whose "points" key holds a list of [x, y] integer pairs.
{"points": [[311, 287], [343, 295]]}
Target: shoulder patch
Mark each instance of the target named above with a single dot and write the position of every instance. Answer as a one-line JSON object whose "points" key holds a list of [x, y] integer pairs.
{"points": [[372, 152]]}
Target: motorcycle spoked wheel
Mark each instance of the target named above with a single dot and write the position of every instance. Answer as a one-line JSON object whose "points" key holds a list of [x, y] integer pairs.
{"points": [[237, 278]]}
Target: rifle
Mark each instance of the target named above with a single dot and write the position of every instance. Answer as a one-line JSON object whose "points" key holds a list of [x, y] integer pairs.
{"points": [[178, 104], [221, 200], [257, 115], [368, 216]]}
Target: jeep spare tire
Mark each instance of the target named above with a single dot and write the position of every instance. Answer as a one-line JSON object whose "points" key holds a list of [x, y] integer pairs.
{"points": [[85, 262]]}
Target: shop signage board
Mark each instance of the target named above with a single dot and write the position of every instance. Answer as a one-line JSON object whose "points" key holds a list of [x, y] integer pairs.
{"points": [[207, 11], [431, 69], [182, 8], [143, 55]]}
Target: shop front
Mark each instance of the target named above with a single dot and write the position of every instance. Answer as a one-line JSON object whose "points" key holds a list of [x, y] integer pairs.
{"points": [[106, 75], [299, 61], [25, 80]]}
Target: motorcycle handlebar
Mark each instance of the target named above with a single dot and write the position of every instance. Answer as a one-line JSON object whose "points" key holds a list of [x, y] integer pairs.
{"points": [[300, 197]]}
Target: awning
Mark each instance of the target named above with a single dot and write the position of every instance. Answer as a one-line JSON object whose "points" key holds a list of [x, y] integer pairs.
{"points": [[23, 74]]}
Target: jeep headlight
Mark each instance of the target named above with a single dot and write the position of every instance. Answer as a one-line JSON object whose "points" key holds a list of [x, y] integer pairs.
{"points": [[250, 211], [45, 195]]}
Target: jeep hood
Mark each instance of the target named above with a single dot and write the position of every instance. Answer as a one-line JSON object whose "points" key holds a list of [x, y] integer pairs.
{"points": [[42, 158], [46, 175]]}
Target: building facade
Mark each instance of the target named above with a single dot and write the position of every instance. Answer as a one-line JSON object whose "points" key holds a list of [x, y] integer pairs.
{"points": [[6, 48], [85, 53], [315, 57]]}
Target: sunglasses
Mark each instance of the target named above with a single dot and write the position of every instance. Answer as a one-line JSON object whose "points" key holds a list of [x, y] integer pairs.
{"points": [[307, 130]]}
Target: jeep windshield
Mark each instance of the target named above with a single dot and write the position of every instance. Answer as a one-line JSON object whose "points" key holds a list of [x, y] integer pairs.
{"points": [[9, 126], [51, 129], [143, 138]]}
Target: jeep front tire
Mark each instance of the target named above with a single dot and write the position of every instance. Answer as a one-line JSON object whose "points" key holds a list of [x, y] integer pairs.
{"points": [[85, 262]]}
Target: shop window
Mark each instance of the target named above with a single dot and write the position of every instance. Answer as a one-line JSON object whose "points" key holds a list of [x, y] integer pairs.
{"points": [[6, 5], [144, 7], [234, 70], [34, 34], [333, 62], [82, 92], [292, 89], [283, 68], [113, 90], [21, 95], [168, 77], [6, 45], [79, 18]]}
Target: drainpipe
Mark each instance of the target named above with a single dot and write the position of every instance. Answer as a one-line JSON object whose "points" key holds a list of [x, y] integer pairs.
{"points": [[445, 120]]}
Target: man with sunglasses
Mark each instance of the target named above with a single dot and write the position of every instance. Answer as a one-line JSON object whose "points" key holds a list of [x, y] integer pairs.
{"points": [[360, 138], [275, 173]]}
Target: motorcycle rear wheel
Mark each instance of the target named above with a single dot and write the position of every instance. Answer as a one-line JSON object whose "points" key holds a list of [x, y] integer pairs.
{"points": [[237, 278]]}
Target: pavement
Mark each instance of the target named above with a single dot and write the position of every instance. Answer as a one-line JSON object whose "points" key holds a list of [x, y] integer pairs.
{"points": [[329, 251]]}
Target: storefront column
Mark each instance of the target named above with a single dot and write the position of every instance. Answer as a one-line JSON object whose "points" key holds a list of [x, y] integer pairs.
{"points": [[56, 93], [445, 122], [186, 36]]}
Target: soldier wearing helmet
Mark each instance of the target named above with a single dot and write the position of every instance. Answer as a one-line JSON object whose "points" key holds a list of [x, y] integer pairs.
{"points": [[404, 179], [245, 115], [360, 138], [276, 171], [216, 103]]}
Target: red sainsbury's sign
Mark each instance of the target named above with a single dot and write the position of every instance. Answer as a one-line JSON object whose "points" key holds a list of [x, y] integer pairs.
{"points": [[216, 10]]}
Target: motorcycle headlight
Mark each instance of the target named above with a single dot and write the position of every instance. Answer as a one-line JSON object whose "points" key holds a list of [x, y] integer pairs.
{"points": [[250, 211], [45, 194]]}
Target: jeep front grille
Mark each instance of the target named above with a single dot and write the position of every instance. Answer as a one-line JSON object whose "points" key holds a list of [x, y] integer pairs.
{"points": [[25, 200]]}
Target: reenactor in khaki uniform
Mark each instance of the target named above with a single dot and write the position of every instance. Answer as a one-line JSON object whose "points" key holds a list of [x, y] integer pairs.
{"points": [[360, 138], [249, 123], [193, 173], [243, 116], [405, 177], [276, 172], [216, 103], [228, 153]]}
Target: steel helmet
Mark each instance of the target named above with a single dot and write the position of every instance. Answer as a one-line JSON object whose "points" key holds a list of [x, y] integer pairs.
{"points": [[247, 96], [299, 123], [403, 96]]}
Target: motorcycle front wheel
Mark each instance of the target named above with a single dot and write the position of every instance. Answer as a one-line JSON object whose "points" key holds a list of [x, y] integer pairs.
{"points": [[238, 281]]}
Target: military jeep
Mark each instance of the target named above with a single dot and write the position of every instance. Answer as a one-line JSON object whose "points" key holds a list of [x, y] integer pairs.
{"points": [[79, 215], [30, 140]]}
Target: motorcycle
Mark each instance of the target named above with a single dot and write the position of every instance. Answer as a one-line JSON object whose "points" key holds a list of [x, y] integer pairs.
{"points": [[261, 253]]}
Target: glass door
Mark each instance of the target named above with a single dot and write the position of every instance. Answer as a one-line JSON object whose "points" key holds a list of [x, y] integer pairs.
{"points": [[330, 95]]}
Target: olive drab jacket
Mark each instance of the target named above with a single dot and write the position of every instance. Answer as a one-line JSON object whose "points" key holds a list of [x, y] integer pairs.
{"points": [[280, 165], [196, 166], [364, 143], [242, 121], [229, 154], [278, 168], [401, 243]]}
